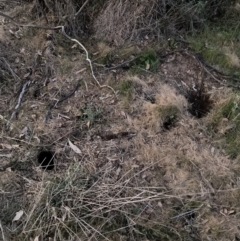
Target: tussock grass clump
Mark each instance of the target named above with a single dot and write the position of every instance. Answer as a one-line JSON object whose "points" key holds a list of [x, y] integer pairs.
{"points": [[78, 20], [120, 21], [78, 206]]}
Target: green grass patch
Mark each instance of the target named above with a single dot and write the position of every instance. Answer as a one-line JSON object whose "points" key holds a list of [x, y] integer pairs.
{"points": [[230, 134], [126, 89], [146, 61], [91, 114], [218, 41]]}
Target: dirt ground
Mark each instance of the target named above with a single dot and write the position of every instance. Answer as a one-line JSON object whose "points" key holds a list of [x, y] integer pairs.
{"points": [[121, 135]]}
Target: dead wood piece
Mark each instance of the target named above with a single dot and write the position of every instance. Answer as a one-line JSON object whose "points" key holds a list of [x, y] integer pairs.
{"points": [[10, 69], [19, 103]]}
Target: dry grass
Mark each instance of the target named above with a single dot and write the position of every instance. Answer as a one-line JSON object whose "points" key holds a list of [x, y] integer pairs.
{"points": [[143, 182], [75, 206], [118, 21], [132, 187], [127, 20]]}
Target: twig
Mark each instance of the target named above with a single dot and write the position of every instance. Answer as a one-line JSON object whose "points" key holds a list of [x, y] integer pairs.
{"points": [[81, 8], [119, 65], [89, 61], [35, 145], [18, 104], [202, 65], [60, 101], [29, 25], [187, 213], [10, 69], [3, 236], [86, 85]]}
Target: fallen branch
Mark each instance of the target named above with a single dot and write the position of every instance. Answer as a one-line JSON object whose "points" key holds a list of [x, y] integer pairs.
{"points": [[18, 104], [121, 65]]}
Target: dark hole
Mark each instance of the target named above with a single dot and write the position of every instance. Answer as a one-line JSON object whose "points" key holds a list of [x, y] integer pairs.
{"points": [[125, 67], [191, 215], [168, 8], [49, 37], [75, 133], [199, 101], [43, 5], [46, 160], [150, 98], [169, 122], [36, 93]]}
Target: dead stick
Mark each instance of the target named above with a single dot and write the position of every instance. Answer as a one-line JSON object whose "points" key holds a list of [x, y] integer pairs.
{"points": [[3, 236], [29, 25], [10, 69], [85, 3], [18, 104]]}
